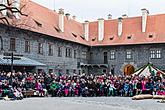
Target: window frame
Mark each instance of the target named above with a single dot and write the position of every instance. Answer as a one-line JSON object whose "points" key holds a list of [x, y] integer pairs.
{"points": [[12, 44], [84, 55], [152, 54], [158, 54], [27, 46], [155, 53], [40, 48], [50, 49], [129, 54], [59, 51], [112, 55], [75, 54], [68, 52]]}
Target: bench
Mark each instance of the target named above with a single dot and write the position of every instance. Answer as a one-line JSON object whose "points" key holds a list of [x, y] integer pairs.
{"points": [[28, 93]]}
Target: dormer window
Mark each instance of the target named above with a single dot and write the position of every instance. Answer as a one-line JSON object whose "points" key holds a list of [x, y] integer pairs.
{"points": [[111, 38], [74, 35], [93, 39], [38, 23], [57, 29], [150, 36], [129, 37], [82, 37]]}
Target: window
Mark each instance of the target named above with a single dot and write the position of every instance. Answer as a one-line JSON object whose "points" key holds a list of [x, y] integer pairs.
{"points": [[57, 29], [82, 37], [84, 54], [105, 58], [12, 44], [112, 55], [111, 38], [129, 37], [40, 48], [38, 23], [93, 39], [74, 35], [68, 52], [91, 56], [50, 46], [75, 54], [59, 51], [152, 54], [158, 54], [150, 36], [128, 54], [155, 54], [27, 46]]}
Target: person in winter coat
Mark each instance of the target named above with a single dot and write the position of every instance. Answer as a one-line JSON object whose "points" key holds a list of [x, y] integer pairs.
{"points": [[139, 87], [126, 87]]}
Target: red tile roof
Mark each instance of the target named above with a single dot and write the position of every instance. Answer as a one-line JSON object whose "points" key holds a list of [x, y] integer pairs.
{"points": [[131, 27], [39, 15]]}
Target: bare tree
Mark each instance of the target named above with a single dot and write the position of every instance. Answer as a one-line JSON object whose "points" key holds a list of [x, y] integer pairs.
{"points": [[10, 9]]}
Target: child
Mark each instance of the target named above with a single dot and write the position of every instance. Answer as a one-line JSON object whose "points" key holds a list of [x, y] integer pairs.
{"points": [[111, 89], [126, 87]]}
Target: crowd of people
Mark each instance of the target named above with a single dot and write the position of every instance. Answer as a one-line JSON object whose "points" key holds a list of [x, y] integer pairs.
{"points": [[13, 85]]}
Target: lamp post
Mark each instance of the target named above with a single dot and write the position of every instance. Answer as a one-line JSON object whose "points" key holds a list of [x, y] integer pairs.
{"points": [[12, 59], [1, 43]]}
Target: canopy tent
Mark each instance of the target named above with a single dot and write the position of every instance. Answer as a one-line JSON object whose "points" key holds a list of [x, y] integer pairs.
{"points": [[21, 61], [148, 70]]}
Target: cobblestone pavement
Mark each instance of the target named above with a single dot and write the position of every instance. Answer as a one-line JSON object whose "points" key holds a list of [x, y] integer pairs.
{"points": [[82, 103]]}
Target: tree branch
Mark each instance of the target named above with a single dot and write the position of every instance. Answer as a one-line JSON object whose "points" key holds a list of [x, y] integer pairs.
{"points": [[4, 19], [12, 9]]}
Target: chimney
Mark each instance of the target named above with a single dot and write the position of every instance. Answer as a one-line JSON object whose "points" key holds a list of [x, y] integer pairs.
{"points": [[145, 13], [120, 26], [4, 12], [109, 16], [74, 17], [61, 19], [124, 16], [67, 16], [86, 30], [16, 4], [100, 29]]}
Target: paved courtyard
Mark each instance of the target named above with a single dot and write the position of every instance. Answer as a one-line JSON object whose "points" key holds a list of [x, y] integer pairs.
{"points": [[80, 103]]}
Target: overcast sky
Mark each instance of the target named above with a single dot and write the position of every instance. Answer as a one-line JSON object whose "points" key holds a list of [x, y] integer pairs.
{"points": [[94, 9]]}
